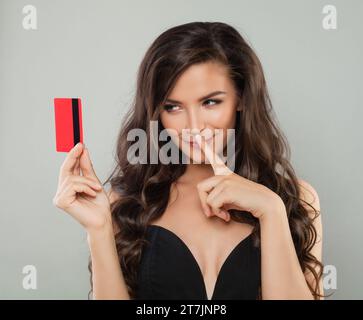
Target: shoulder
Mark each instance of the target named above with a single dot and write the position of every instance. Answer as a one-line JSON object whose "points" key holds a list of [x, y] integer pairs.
{"points": [[309, 199], [308, 195]]}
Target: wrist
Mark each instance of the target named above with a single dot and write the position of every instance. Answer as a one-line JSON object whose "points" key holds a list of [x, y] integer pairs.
{"points": [[100, 231], [275, 211]]}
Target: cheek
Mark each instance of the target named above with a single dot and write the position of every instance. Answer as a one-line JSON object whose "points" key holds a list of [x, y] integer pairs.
{"points": [[172, 122], [173, 126], [223, 118]]}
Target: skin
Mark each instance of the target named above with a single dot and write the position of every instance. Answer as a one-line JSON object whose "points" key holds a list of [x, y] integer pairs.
{"points": [[83, 197], [199, 201], [188, 114], [219, 189]]}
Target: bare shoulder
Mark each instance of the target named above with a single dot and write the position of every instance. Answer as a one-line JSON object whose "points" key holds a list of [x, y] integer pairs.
{"points": [[310, 199], [309, 195]]}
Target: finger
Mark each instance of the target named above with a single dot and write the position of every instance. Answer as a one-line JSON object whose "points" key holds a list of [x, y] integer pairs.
{"points": [[87, 166], [220, 213], [210, 199], [218, 199], [69, 181], [79, 187], [223, 215], [91, 182], [203, 199], [208, 184], [70, 161], [227, 215], [216, 162], [67, 197], [204, 188], [76, 170]]}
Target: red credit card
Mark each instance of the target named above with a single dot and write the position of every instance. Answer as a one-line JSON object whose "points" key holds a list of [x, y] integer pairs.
{"points": [[68, 123]]}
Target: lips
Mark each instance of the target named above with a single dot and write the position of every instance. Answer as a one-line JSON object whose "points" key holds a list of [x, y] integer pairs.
{"points": [[194, 143]]}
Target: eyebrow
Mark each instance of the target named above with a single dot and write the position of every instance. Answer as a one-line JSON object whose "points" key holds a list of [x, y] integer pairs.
{"points": [[212, 94]]}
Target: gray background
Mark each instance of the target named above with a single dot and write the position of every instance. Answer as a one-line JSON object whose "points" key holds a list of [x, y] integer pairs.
{"points": [[91, 49]]}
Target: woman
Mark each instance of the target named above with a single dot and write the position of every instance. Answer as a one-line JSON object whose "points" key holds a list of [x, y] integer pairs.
{"points": [[183, 231]]}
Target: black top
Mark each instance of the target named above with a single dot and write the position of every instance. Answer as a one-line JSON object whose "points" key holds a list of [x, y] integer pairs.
{"points": [[168, 270]]}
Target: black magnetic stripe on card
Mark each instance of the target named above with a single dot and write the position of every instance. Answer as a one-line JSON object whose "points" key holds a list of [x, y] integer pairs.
{"points": [[76, 135]]}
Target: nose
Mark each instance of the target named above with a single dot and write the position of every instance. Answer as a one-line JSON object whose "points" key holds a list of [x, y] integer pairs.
{"points": [[195, 122], [194, 132]]}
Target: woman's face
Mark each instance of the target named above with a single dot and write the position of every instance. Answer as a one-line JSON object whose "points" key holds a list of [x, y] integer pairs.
{"points": [[202, 101]]}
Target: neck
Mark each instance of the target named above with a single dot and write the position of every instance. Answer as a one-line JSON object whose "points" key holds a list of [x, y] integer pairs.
{"points": [[196, 173]]}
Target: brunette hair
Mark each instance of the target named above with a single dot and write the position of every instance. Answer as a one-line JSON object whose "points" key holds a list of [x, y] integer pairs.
{"points": [[262, 152]]}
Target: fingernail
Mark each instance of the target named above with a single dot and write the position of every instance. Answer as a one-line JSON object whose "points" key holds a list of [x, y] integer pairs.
{"points": [[198, 138], [224, 213]]}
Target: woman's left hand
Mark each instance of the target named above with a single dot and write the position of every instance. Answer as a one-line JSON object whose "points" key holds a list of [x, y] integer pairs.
{"points": [[227, 190]]}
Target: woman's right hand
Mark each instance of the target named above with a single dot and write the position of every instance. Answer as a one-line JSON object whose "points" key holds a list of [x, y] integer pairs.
{"points": [[82, 196]]}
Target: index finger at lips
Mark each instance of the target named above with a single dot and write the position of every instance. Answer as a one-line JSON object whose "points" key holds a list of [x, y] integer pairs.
{"points": [[70, 161], [217, 163]]}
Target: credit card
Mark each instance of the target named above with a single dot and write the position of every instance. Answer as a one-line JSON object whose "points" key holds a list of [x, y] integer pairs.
{"points": [[68, 123]]}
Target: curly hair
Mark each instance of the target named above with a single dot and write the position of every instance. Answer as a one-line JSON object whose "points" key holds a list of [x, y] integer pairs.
{"points": [[262, 153]]}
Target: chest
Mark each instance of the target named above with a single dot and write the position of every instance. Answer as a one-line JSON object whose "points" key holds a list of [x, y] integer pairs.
{"points": [[169, 270], [209, 241]]}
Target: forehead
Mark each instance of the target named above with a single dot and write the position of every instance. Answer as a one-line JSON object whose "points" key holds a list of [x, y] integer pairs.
{"points": [[201, 79]]}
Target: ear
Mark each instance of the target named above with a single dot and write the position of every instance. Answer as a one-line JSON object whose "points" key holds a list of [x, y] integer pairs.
{"points": [[239, 106], [240, 103]]}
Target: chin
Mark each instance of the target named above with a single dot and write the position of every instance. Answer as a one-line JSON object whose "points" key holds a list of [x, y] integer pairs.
{"points": [[195, 156]]}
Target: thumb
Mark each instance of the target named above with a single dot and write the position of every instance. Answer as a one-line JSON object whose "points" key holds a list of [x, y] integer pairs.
{"points": [[87, 166]]}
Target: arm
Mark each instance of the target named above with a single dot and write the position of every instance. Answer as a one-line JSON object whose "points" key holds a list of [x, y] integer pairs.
{"points": [[107, 277], [282, 277], [310, 196], [83, 197]]}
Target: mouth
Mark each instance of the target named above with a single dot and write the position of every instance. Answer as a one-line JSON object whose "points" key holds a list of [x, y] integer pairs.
{"points": [[193, 143]]}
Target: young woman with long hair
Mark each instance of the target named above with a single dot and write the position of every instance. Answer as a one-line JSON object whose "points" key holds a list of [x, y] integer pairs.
{"points": [[181, 230]]}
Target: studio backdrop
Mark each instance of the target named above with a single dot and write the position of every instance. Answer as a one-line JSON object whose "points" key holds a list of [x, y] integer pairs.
{"points": [[311, 53]]}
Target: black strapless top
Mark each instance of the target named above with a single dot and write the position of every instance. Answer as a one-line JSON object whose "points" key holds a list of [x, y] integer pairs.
{"points": [[168, 270]]}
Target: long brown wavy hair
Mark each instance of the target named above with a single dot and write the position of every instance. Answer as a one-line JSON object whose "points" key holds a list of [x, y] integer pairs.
{"points": [[262, 153]]}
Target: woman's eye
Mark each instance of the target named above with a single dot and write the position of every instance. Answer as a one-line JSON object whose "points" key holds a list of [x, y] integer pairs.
{"points": [[213, 102], [170, 107], [174, 107]]}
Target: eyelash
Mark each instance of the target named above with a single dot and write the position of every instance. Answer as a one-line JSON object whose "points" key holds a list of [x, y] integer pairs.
{"points": [[216, 101]]}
